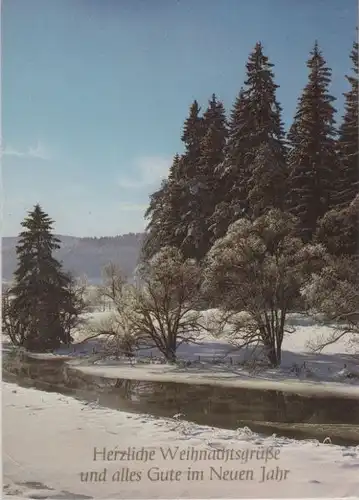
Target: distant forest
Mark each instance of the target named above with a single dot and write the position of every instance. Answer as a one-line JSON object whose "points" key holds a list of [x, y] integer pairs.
{"points": [[84, 256]]}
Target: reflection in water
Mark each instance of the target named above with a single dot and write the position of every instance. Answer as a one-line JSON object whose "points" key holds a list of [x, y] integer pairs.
{"points": [[207, 405]]}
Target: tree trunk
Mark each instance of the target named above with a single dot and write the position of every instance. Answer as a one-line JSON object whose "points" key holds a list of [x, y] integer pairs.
{"points": [[170, 356], [274, 355], [170, 353]]}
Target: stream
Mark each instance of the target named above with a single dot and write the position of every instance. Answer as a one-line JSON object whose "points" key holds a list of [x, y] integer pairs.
{"points": [[264, 411]]}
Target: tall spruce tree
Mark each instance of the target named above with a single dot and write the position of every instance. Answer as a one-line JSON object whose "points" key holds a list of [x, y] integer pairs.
{"points": [[205, 184], [266, 157], [187, 179], [42, 297], [163, 214], [312, 158], [155, 214], [171, 208], [338, 229], [232, 197], [254, 168], [348, 185], [193, 132]]}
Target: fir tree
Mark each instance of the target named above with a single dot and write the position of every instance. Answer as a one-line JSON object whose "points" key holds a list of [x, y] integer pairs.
{"points": [[312, 158], [232, 201], [254, 168], [164, 214], [172, 208], [42, 298], [348, 139], [193, 132], [265, 142], [205, 184], [155, 216]]}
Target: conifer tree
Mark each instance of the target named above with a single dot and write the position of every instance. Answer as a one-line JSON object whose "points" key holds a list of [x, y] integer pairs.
{"points": [[43, 299], [173, 206], [193, 132], [205, 185], [348, 185], [265, 142], [254, 168], [232, 200], [312, 158], [155, 214], [164, 214], [186, 180]]}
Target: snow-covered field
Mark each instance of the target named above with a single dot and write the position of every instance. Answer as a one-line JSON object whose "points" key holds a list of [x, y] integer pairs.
{"points": [[49, 439], [213, 361]]}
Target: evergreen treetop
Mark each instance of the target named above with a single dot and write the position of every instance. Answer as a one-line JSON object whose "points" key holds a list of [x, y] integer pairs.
{"points": [[312, 158], [260, 96], [193, 131], [251, 186]]}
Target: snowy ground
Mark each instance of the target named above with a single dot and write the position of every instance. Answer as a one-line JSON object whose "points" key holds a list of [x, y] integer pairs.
{"points": [[212, 361], [227, 378], [49, 439]]}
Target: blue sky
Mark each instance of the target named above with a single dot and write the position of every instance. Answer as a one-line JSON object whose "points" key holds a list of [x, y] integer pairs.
{"points": [[95, 92]]}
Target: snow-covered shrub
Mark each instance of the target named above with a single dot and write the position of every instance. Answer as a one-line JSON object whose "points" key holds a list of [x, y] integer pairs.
{"points": [[338, 230], [332, 297]]}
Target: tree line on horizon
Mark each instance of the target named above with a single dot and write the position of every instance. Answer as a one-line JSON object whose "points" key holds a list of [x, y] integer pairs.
{"points": [[247, 164]]}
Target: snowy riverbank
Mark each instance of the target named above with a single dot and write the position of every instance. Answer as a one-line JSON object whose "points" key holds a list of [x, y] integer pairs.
{"points": [[49, 439], [213, 361], [214, 376]]}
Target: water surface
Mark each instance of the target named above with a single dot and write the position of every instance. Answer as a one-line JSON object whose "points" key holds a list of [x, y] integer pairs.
{"points": [[265, 411]]}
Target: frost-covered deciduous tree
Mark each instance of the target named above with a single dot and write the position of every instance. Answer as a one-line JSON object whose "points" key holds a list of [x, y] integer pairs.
{"points": [[121, 337], [161, 310], [165, 306], [258, 268], [338, 230], [332, 297]]}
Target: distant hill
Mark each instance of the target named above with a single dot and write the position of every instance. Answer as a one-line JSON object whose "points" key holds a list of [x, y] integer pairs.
{"points": [[84, 256]]}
